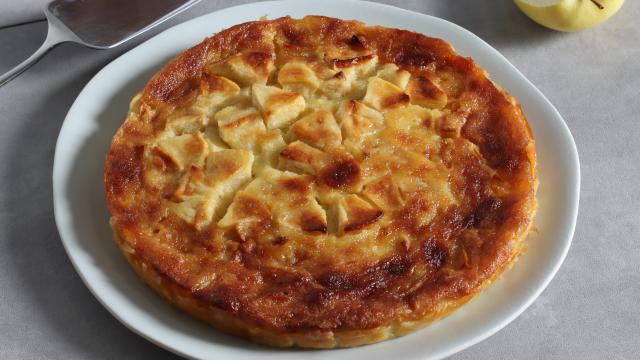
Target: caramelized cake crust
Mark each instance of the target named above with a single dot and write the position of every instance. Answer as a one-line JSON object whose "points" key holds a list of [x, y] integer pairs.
{"points": [[321, 183]]}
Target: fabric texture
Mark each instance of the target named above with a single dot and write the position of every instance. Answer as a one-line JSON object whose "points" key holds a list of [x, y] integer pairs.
{"points": [[22, 11]]}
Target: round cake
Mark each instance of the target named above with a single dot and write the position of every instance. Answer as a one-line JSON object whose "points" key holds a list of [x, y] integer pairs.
{"points": [[321, 183]]}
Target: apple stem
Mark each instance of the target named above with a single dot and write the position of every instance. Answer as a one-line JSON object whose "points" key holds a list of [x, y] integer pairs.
{"points": [[598, 4]]}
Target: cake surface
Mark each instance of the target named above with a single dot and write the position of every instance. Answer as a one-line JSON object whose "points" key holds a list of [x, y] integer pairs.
{"points": [[320, 183]]}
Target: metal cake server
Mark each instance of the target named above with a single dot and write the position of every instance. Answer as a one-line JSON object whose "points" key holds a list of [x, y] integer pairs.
{"points": [[99, 24]]}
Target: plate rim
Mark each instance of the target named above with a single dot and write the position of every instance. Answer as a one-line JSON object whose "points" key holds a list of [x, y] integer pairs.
{"points": [[461, 345]]}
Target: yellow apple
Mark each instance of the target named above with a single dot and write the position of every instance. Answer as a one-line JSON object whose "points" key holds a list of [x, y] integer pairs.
{"points": [[569, 15]]}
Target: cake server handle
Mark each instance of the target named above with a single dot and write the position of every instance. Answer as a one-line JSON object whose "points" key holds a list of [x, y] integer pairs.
{"points": [[56, 34]]}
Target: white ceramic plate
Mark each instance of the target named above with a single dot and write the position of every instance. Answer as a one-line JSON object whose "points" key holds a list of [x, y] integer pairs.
{"points": [[81, 213]]}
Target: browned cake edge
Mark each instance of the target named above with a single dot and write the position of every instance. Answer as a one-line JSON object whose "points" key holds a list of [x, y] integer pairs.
{"points": [[226, 322]]}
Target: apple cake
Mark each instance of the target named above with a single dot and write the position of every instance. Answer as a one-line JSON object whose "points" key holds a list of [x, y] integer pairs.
{"points": [[320, 183]]}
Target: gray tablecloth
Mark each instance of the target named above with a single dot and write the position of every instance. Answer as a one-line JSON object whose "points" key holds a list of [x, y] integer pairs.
{"points": [[21, 11], [591, 310]]}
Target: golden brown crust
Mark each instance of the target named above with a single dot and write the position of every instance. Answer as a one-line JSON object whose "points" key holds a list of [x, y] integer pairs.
{"points": [[397, 206]]}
